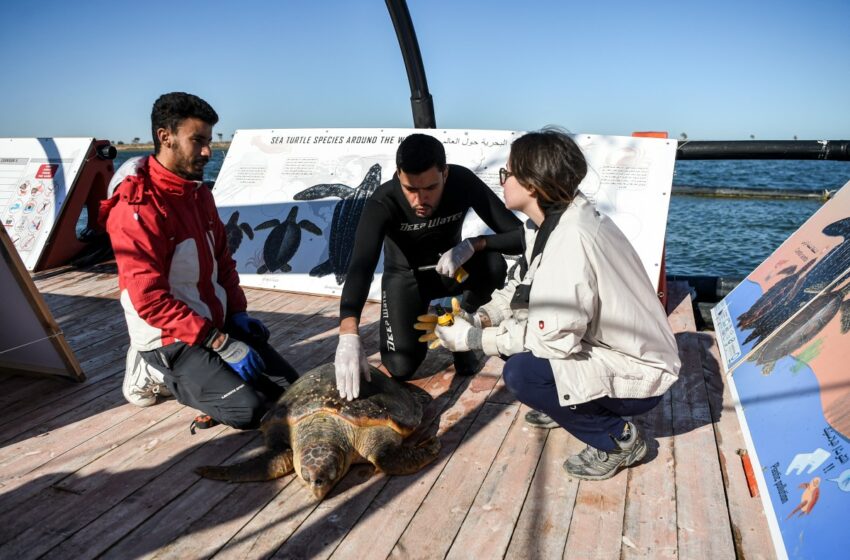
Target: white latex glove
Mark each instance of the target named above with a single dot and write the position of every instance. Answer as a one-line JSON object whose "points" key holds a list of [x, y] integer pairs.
{"points": [[454, 258], [349, 362], [455, 337]]}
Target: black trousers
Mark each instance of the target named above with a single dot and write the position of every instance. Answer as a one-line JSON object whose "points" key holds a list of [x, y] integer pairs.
{"points": [[406, 293], [595, 422], [199, 378]]}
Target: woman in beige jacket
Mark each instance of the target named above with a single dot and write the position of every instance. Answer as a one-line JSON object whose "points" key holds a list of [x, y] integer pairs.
{"points": [[586, 339]]}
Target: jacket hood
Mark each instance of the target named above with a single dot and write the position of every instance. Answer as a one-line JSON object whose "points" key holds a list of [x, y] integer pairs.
{"points": [[143, 175]]}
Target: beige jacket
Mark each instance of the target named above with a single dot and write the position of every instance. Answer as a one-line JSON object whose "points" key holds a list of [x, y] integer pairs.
{"points": [[592, 312]]}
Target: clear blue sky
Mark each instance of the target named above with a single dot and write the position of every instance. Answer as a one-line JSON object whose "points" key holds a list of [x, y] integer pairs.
{"points": [[713, 69]]}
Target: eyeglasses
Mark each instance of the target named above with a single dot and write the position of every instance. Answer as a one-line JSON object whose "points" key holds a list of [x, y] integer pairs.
{"points": [[503, 176]]}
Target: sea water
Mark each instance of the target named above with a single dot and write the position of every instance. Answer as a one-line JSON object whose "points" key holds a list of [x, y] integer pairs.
{"points": [[718, 236]]}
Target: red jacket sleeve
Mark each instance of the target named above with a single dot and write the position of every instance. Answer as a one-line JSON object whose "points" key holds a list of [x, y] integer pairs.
{"points": [[142, 251]]}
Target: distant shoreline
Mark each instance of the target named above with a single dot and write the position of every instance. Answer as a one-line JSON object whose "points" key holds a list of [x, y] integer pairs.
{"points": [[148, 147]]}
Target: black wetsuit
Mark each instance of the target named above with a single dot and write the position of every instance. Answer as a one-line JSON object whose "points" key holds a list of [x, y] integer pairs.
{"points": [[411, 242]]}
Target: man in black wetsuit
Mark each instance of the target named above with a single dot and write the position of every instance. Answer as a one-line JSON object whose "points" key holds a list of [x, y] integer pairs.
{"points": [[418, 216]]}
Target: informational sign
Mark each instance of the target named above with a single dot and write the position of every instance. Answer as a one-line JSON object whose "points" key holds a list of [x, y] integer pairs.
{"points": [[30, 340], [783, 335], [291, 199], [36, 177]]}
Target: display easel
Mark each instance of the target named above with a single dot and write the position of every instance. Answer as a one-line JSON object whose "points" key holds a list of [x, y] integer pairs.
{"points": [[31, 342]]}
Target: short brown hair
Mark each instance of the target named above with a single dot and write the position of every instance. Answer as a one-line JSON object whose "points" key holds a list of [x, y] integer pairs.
{"points": [[549, 163]]}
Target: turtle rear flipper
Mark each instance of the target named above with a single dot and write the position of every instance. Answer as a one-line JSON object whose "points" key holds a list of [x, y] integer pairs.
{"points": [[393, 458], [322, 269], [269, 465]]}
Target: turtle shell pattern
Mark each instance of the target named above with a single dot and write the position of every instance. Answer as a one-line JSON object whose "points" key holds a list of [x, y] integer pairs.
{"points": [[382, 401]]}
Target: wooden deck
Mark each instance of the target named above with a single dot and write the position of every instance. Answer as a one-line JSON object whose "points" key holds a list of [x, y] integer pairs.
{"points": [[84, 474]]}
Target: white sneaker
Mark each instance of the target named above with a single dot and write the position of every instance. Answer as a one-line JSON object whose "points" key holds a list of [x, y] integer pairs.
{"points": [[142, 382]]}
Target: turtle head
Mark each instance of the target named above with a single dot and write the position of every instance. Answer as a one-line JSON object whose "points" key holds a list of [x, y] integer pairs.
{"points": [[322, 465]]}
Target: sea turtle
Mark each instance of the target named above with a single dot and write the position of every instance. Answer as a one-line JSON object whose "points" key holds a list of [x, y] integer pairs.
{"points": [[804, 327], [234, 231], [283, 241], [346, 216], [314, 432]]}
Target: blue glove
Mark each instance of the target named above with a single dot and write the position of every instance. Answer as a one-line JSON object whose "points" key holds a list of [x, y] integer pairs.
{"points": [[242, 358], [250, 325]]}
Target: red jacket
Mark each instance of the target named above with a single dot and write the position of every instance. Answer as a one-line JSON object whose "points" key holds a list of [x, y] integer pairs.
{"points": [[176, 275]]}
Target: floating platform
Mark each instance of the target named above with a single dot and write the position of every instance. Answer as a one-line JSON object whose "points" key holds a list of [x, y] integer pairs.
{"points": [[83, 474]]}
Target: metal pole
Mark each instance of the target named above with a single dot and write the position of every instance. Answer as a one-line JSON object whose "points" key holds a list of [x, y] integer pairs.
{"points": [[838, 150], [420, 99]]}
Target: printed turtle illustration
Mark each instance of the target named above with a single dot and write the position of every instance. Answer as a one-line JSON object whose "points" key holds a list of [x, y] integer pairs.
{"points": [[345, 218], [234, 231], [804, 327], [314, 432], [283, 241]]}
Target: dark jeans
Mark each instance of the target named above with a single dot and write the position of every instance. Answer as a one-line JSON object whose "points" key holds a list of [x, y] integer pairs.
{"points": [[596, 422], [406, 293], [199, 378]]}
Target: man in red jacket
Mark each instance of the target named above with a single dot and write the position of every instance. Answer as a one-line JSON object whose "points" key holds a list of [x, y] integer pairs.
{"points": [[189, 332]]}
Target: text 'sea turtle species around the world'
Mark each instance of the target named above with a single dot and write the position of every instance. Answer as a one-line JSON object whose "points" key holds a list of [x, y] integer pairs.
{"points": [[314, 432], [283, 241], [345, 218]]}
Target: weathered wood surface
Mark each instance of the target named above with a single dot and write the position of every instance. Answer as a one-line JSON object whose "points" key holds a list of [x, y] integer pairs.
{"points": [[84, 474]]}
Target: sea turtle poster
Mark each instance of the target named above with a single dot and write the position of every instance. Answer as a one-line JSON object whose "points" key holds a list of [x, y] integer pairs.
{"points": [[36, 177], [783, 335], [291, 199]]}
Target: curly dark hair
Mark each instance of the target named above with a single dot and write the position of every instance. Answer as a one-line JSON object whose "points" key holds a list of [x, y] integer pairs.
{"points": [[173, 108], [549, 163], [420, 152]]}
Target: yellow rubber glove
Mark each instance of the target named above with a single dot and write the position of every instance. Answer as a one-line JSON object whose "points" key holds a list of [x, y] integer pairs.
{"points": [[426, 323]]}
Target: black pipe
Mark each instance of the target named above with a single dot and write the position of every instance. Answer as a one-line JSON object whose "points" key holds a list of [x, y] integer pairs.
{"points": [[420, 99], [838, 150]]}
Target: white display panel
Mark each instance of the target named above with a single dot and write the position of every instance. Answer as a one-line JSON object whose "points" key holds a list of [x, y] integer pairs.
{"points": [[268, 176], [36, 177]]}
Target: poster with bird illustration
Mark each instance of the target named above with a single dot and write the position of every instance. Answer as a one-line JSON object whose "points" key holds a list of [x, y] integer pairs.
{"points": [[784, 336]]}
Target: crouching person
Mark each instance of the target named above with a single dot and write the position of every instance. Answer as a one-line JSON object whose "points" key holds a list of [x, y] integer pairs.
{"points": [[190, 335], [587, 338]]}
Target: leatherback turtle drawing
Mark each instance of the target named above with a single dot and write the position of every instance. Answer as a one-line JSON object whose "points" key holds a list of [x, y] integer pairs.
{"points": [[345, 218], [314, 432], [283, 241], [234, 231]]}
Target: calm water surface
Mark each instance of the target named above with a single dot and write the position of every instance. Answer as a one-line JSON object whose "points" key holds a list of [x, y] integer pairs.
{"points": [[718, 236]]}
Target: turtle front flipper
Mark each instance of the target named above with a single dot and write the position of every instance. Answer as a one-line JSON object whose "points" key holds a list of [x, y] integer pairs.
{"points": [[268, 465], [392, 457], [309, 226], [267, 224], [324, 190]]}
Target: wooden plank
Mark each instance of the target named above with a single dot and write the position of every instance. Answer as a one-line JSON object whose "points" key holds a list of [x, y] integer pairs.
{"points": [[649, 524], [749, 523], [701, 511], [401, 497], [489, 524], [596, 527], [432, 530], [60, 464], [543, 525], [35, 447], [125, 501]]}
